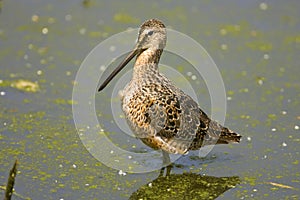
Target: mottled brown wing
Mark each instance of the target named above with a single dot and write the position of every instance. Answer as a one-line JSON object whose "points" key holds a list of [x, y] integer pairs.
{"points": [[211, 132], [174, 116]]}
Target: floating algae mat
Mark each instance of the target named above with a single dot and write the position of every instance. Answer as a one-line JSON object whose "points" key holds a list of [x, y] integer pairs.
{"points": [[22, 85]]}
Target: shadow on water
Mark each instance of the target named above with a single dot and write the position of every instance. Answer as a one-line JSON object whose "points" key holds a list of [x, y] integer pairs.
{"points": [[185, 186]]}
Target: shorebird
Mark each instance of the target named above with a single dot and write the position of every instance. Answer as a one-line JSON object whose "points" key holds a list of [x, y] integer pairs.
{"points": [[157, 111]]}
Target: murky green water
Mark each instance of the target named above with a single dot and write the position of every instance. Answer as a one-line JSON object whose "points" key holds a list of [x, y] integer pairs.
{"points": [[256, 46]]}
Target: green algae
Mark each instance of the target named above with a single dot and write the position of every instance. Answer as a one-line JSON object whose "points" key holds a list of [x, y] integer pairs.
{"points": [[45, 153], [185, 186], [260, 45], [60, 101], [22, 85], [126, 18]]}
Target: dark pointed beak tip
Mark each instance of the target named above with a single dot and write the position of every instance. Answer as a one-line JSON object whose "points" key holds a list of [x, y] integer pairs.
{"points": [[100, 89]]}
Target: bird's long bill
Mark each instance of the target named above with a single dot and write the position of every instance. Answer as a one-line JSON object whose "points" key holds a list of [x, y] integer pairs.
{"points": [[119, 68]]}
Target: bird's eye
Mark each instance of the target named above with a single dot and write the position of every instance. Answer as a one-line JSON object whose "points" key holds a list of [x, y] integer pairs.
{"points": [[150, 33]]}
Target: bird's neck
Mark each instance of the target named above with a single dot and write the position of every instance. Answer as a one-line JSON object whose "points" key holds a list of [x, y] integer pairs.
{"points": [[149, 56], [147, 62]]}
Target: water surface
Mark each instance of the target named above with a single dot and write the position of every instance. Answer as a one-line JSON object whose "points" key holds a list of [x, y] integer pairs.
{"points": [[255, 45]]}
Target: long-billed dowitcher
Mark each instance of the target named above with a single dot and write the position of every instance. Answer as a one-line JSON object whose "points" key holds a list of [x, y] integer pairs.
{"points": [[158, 112]]}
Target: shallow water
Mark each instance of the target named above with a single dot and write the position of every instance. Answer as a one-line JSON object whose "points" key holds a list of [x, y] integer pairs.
{"points": [[255, 46]]}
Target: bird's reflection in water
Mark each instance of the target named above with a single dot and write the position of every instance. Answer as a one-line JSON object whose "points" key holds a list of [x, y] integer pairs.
{"points": [[185, 186]]}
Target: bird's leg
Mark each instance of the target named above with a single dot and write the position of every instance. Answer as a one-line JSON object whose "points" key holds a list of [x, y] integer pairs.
{"points": [[168, 170], [166, 158], [166, 164]]}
